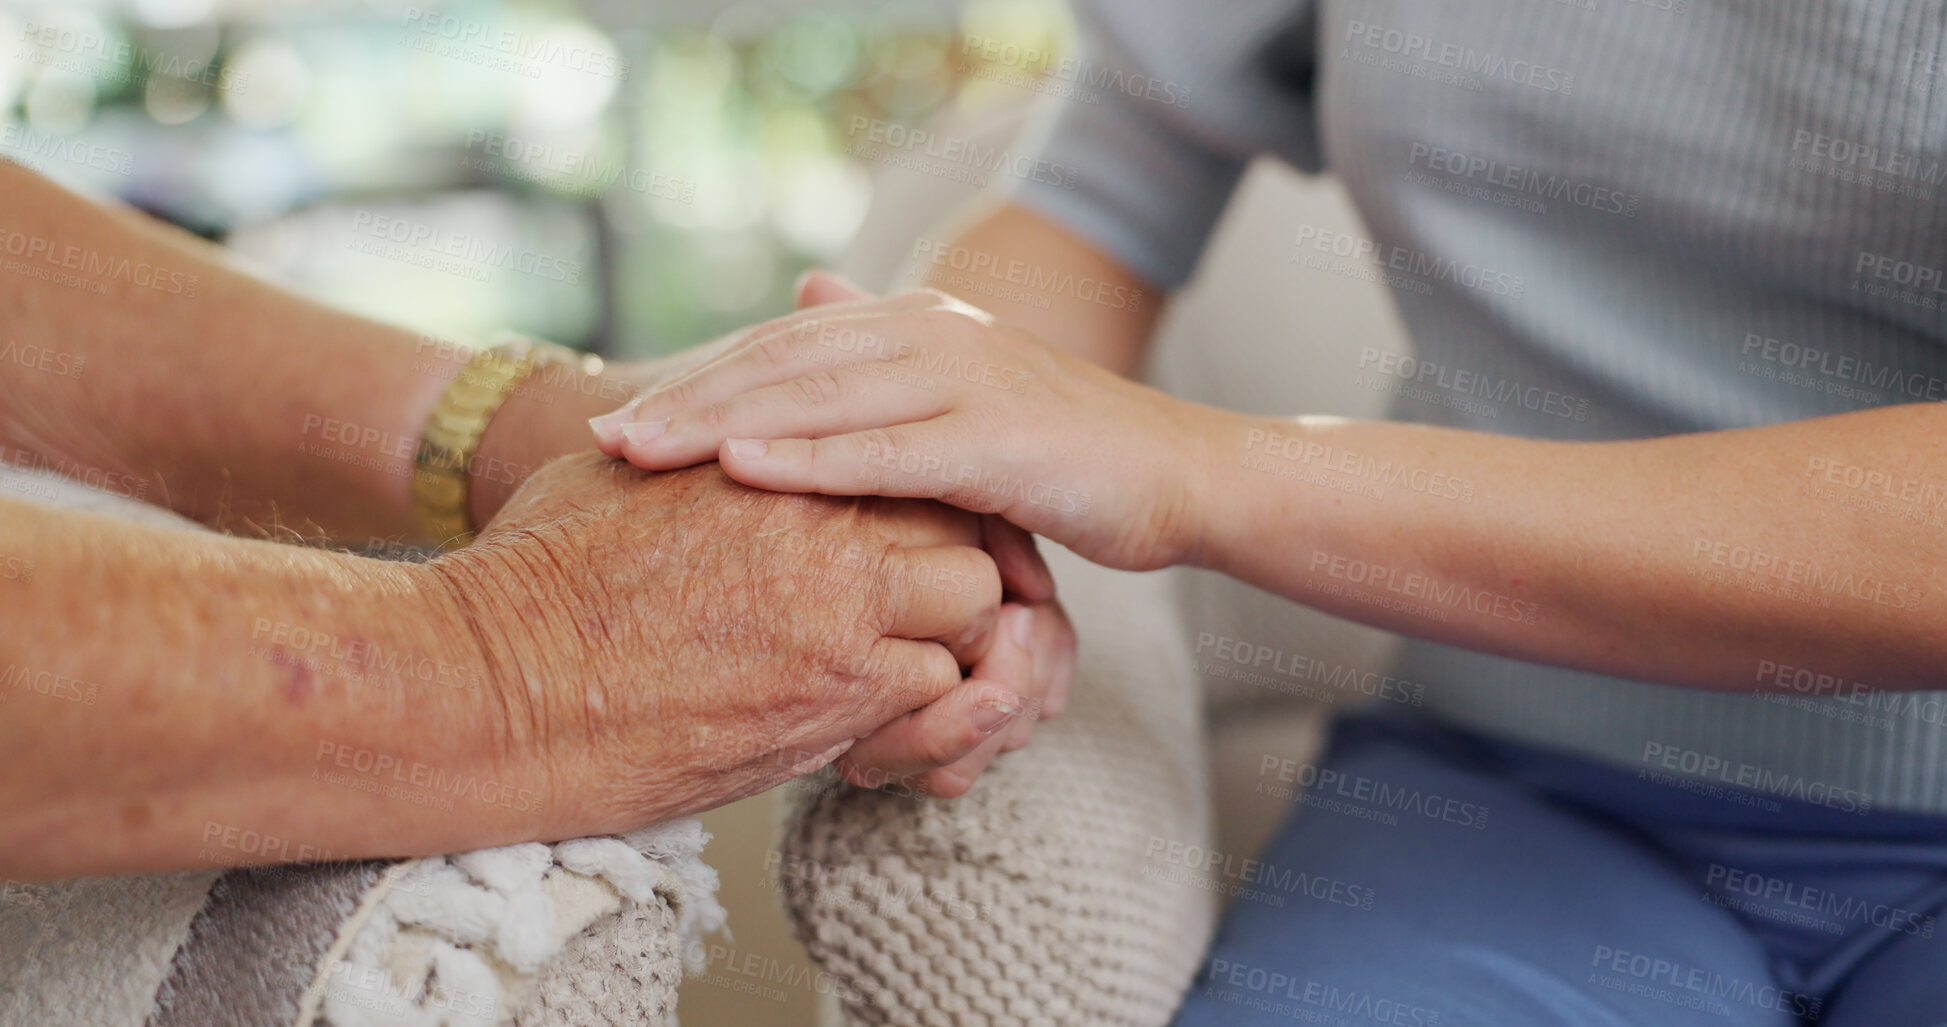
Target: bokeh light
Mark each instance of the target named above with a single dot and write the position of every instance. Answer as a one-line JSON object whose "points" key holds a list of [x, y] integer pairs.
{"points": [[273, 81], [693, 163]]}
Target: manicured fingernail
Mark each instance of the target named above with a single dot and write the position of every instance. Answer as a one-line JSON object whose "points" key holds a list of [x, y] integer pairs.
{"points": [[748, 449], [1021, 626], [992, 715], [644, 431], [608, 427]]}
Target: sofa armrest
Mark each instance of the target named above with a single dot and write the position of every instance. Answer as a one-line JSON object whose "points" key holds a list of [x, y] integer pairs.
{"points": [[1057, 891]]}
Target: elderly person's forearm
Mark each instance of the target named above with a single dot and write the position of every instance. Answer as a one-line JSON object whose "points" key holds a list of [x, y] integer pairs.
{"points": [[179, 700], [235, 702], [194, 385]]}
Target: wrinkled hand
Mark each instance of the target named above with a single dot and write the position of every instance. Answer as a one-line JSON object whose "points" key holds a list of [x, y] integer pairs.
{"points": [[539, 423], [667, 644], [921, 395]]}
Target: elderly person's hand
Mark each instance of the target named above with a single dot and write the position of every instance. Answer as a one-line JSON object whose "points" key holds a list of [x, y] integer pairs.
{"points": [[536, 426], [666, 644], [619, 646]]}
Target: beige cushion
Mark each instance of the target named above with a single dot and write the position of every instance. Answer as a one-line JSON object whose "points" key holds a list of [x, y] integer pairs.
{"points": [[1048, 895]]}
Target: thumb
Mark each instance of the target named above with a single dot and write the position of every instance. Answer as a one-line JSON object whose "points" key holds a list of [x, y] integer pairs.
{"points": [[940, 749], [817, 288]]}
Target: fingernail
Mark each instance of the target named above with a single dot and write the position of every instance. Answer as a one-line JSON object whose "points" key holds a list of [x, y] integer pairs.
{"points": [[1021, 626], [608, 427], [992, 715], [748, 449], [644, 431]]}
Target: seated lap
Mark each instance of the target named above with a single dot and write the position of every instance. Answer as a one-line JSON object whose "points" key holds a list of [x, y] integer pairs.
{"points": [[1419, 886]]}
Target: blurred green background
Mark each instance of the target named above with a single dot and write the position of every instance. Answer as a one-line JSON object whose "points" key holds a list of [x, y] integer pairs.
{"points": [[628, 176]]}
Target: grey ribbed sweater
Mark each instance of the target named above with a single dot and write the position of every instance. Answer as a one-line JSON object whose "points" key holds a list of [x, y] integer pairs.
{"points": [[1600, 219]]}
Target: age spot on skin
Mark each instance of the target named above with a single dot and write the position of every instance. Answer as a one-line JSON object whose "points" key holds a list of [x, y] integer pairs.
{"points": [[137, 816], [299, 684]]}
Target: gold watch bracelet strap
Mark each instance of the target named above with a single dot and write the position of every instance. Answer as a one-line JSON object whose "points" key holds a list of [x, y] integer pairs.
{"points": [[441, 477]]}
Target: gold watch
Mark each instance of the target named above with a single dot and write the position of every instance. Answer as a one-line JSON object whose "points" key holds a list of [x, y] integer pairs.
{"points": [[441, 485]]}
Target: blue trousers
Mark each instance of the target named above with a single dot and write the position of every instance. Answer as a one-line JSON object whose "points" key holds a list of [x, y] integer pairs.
{"points": [[1434, 879]]}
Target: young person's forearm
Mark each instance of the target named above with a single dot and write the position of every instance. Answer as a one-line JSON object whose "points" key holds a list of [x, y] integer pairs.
{"points": [[1056, 286], [1716, 560], [162, 371], [183, 700]]}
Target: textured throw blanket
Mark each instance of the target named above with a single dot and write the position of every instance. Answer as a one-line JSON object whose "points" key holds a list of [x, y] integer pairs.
{"points": [[596, 930]]}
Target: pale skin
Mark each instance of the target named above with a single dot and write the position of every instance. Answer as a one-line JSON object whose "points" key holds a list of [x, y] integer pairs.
{"points": [[1698, 560], [618, 647]]}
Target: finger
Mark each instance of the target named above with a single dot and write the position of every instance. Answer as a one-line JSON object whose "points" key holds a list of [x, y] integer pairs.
{"points": [[1025, 577], [1054, 671], [608, 427], [1023, 573], [817, 288], [944, 733], [921, 461], [832, 335], [945, 594], [1054, 658], [899, 676], [911, 750], [952, 782], [824, 401], [956, 779]]}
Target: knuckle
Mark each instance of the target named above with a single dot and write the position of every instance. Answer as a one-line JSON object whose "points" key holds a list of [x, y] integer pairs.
{"points": [[938, 748], [872, 453], [975, 577], [874, 445], [819, 388], [680, 394], [986, 586], [712, 416], [936, 674], [851, 662], [778, 348]]}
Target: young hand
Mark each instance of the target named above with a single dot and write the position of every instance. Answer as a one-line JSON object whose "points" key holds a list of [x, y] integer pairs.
{"points": [[924, 396]]}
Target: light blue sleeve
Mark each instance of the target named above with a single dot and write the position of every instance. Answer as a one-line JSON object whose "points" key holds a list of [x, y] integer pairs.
{"points": [[1160, 113]]}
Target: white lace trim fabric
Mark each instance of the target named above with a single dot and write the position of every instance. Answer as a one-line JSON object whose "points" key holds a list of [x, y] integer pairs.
{"points": [[458, 941]]}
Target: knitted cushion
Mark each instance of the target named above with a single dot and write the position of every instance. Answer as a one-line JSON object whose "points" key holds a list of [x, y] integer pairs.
{"points": [[1068, 887]]}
